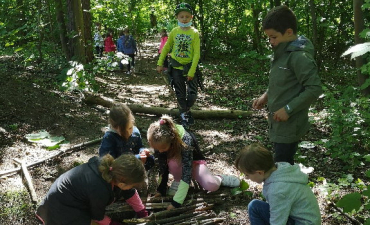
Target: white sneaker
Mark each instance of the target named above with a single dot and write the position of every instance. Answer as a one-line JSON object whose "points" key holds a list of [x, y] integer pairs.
{"points": [[173, 188], [230, 181]]}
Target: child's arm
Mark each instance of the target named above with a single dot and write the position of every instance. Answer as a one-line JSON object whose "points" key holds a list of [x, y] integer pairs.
{"points": [[182, 191], [196, 56], [260, 102], [108, 146], [165, 50]]}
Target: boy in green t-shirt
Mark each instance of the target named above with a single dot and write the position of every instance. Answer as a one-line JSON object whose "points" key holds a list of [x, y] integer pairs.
{"points": [[185, 44]]}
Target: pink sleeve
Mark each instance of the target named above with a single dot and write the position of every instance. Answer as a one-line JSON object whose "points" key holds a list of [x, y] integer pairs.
{"points": [[135, 202], [105, 221]]}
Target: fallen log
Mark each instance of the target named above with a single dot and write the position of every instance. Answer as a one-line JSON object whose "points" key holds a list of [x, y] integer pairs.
{"points": [[198, 114], [60, 152]]}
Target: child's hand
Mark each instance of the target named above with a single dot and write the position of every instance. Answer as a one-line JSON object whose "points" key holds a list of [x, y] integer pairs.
{"points": [[159, 69], [190, 78], [157, 195], [170, 206], [260, 102], [281, 115], [146, 151], [143, 157]]}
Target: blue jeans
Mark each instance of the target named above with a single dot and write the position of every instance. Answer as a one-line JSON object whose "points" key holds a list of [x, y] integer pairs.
{"points": [[284, 152], [259, 213]]}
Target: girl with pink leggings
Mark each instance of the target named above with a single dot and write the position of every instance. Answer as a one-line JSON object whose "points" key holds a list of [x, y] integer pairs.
{"points": [[178, 153]]}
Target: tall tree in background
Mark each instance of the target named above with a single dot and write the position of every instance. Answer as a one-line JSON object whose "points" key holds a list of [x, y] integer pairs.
{"points": [[359, 26], [62, 29], [87, 36]]}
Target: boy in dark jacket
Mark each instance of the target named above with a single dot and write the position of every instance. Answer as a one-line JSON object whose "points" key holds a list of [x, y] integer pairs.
{"points": [[293, 83]]}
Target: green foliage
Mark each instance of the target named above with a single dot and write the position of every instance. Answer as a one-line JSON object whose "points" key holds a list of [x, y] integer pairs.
{"points": [[358, 201], [15, 206], [348, 115]]}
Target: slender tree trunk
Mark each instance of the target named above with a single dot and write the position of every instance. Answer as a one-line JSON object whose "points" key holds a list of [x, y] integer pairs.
{"points": [[203, 30], [87, 23], [314, 38], [359, 26], [70, 28], [79, 44], [62, 29], [256, 10], [40, 30]]}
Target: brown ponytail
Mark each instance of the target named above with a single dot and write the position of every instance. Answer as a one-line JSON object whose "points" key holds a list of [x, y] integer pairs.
{"points": [[124, 169]]}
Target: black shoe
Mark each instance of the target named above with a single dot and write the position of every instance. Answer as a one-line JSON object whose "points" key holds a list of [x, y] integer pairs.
{"points": [[190, 118]]}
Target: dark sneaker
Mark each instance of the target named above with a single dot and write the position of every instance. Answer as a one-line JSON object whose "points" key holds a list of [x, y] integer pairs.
{"points": [[184, 120], [190, 118]]}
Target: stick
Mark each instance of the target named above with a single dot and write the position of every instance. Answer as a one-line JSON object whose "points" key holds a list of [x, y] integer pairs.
{"points": [[28, 180], [353, 220], [71, 149]]}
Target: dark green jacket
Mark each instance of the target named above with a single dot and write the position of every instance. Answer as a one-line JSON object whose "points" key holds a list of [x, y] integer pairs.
{"points": [[295, 85]]}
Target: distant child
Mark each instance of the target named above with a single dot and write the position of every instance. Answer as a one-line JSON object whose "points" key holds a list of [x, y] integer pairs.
{"points": [[289, 198], [293, 83], [179, 154], [184, 44], [123, 137], [108, 43], [164, 38], [98, 40], [80, 195], [127, 45]]}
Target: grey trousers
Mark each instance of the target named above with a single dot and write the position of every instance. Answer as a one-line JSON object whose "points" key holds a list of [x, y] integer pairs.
{"points": [[186, 91]]}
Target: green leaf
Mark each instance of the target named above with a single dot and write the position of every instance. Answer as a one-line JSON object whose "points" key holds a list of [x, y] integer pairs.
{"points": [[244, 185], [367, 173], [367, 158], [236, 191], [367, 222], [350, 202], [37, 136], [367, 192]]}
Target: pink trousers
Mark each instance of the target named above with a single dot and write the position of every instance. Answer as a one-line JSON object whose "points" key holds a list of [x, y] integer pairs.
{"points": [[200, 173]]}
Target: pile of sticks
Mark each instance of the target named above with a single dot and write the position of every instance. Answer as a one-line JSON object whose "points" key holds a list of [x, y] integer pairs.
{"points": [[197, 209]]}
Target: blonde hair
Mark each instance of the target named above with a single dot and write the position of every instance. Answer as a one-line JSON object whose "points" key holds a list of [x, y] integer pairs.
{"points": [[119, 117], [254, 157], [165, 131], [124, 169]]}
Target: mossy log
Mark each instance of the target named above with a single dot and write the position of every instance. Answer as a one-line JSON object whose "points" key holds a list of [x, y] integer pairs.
{"points": [[198, 114]]}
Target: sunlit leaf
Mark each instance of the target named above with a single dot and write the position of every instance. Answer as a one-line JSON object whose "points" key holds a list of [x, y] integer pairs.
{"points": [[358, 50], [244, 185]]}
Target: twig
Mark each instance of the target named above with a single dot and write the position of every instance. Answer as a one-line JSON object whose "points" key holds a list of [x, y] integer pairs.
{"points": [[61, 152], [352, 219], [28, 180]]}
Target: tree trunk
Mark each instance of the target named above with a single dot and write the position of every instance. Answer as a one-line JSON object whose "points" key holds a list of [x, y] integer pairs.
{"points": [[256, 10], [359, 26], [79, 44], [198, 114], [88, 40], [62, 29]]}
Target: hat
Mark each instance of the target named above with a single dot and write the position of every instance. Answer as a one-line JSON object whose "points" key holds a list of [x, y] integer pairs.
{"points": [[183, 7]]}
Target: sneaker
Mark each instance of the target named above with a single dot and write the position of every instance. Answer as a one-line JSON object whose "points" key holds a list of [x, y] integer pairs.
{"points": [[128, 73], [190, 118], [230, 181], [184, 120], [173, 188]]}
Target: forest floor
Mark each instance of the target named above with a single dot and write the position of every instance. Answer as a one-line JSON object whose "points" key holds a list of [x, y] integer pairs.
{"points": [[30, 102]]}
